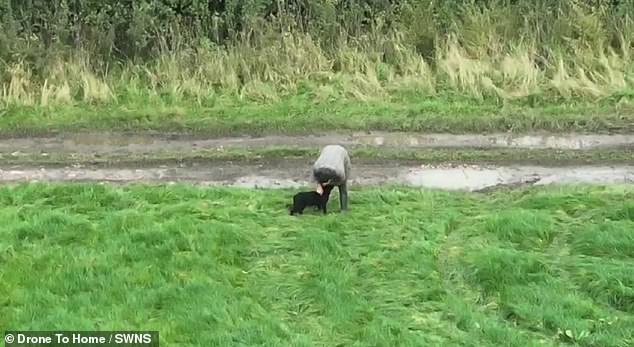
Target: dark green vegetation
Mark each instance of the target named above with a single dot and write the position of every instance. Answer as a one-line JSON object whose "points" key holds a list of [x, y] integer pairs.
{"points": [[266, 66], [272, 154], [405, 267]]}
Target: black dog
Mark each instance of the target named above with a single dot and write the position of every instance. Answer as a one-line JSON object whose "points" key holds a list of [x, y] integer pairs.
{"points": [[304, 199]]}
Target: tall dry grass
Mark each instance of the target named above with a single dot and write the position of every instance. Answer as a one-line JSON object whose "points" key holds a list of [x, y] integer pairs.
{"points": [[491, 53]]}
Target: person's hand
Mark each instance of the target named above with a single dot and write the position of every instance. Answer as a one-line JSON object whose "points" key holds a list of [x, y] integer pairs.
{"points": [[320, 189]]}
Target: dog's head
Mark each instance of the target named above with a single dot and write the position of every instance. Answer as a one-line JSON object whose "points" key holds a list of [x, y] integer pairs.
{"points": [[324, 187]]}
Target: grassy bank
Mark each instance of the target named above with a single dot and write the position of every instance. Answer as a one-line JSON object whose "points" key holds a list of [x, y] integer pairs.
{"points": [[403, 267], [455, 66], [301, 115]]}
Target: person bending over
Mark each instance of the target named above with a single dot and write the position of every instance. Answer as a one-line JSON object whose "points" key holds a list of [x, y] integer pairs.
{"points": [[332, 168]]}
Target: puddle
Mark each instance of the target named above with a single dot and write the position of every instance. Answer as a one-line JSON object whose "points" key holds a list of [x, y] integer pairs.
{"points": [[466, 178]]}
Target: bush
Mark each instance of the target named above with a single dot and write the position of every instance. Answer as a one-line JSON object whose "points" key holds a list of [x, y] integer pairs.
{"points": [[482, 48]]}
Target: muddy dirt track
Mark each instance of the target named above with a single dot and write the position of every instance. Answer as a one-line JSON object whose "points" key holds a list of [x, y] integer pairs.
{"points": [[296, 172], [471, 178], [149, 142]]}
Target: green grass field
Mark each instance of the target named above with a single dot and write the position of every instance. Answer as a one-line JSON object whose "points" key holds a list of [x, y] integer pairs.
{"points": [[404, 267]]}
